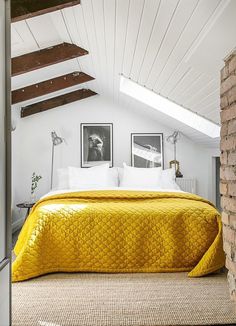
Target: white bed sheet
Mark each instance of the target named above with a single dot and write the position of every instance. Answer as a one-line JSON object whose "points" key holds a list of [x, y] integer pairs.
{"points": [[63, 191]]}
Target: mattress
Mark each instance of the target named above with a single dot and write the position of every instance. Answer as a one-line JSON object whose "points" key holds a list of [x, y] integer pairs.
{"points": [[119, 231]]}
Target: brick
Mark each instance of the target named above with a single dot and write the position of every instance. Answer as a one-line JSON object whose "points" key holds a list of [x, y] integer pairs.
{"points": [[228, 166], [232, 285], [228, 143], [228, 204], [227, 248], [225, 218], [223, 188], [232, 221], [224, 72], [224, 103], [229, 113], [232, 64], [224, 129], [231, 157], [228, 83], [222, 173], [228, 173], [230, 251], [231, 266], [232, 126], [231, 189], [231, 95], [224, 158], [233, 296], [229, 234], [229, 220]]}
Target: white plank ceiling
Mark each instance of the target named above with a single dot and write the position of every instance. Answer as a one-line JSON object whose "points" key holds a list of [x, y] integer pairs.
{"points": [[173, 47]]}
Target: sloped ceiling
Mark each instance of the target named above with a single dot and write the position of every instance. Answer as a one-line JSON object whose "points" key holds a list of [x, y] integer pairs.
{"points": [[174, 47]]}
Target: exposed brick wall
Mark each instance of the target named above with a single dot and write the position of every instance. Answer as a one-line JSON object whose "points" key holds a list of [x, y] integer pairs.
{"points": [[228, 166]]}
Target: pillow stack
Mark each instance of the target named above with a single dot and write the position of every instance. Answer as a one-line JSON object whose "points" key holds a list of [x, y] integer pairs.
{"points": [[102, 177]]}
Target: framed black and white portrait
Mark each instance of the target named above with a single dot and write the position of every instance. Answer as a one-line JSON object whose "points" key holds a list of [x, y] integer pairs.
{"points": [[147, 150], [96, 144]]}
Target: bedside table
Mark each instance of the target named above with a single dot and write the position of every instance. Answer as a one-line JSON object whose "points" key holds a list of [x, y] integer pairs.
{"points": [[27, 206]]}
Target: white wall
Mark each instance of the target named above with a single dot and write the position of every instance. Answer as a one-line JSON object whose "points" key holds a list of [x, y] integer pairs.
{"points": [[32, 144]]}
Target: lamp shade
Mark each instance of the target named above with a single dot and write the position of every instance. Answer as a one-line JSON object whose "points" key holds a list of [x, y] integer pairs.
{"points": [[56, 140], [173, 138]]}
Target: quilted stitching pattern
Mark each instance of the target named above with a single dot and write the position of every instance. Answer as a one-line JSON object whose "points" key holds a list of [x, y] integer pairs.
{"points": [[120, 231]]}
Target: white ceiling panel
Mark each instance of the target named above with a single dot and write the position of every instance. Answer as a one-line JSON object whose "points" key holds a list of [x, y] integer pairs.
{"points": [[149, 16], [171, 40], [192, 22], [110, 20], [219, 39], [28, 44], [165, 15], [16, 39], [178, 87], [202, 93], [194, 89], [39, 27], [122, 17], [136, 11]]}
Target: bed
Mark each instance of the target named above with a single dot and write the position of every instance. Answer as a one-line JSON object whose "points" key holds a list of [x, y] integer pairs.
{"points": [[119, 230]]}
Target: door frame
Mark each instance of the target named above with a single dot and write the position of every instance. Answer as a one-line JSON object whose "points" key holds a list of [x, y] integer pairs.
{"points": [[8, 126], [8, 141], [213, 178]]}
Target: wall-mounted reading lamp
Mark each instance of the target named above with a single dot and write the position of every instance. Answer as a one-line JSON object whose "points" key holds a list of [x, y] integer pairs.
{"points": [[56, 140]]}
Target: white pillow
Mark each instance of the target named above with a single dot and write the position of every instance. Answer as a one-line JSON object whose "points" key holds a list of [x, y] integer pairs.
{"points": [[113, 179], [62, 179], [168, 179], [140, 177], [89, 178]]}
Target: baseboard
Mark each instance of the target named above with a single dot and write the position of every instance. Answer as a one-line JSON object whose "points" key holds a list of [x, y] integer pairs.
{"points": [[17, 225]]}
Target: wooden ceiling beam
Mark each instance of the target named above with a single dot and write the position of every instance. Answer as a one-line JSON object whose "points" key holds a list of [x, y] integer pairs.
{"points": [[56, 102], [45, 57], [24, 9], [49, 86]]}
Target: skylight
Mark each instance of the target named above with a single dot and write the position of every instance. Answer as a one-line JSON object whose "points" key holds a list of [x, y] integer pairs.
{"points": [[169, 108]]}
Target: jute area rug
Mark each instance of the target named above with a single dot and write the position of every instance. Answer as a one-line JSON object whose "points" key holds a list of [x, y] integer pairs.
{"points": [[90, 299]]}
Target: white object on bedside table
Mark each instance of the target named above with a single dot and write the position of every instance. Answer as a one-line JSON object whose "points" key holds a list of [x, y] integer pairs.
{"points": [[187, 184]]}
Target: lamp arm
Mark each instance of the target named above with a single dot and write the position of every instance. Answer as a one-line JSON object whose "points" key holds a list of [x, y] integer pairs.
{"points": [[52, 164]]}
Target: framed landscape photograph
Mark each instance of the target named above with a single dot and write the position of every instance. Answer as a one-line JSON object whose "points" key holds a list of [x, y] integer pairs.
{"points": [[147, 150], [96, 144]]}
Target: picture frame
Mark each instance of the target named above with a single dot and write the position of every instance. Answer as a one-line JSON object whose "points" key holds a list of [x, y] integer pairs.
{"points": [[96, 143], [147, 150]]}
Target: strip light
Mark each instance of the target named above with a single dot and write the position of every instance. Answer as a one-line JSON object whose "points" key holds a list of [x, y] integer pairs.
{"points": [[169, 108]]}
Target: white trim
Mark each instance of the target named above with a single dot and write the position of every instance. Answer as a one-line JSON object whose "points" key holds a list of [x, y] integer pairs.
{"points": [[17, 224], [213, 179]]}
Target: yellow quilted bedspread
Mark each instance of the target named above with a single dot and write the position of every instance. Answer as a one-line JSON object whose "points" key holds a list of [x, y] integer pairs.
{"points": [[120, 231]]}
